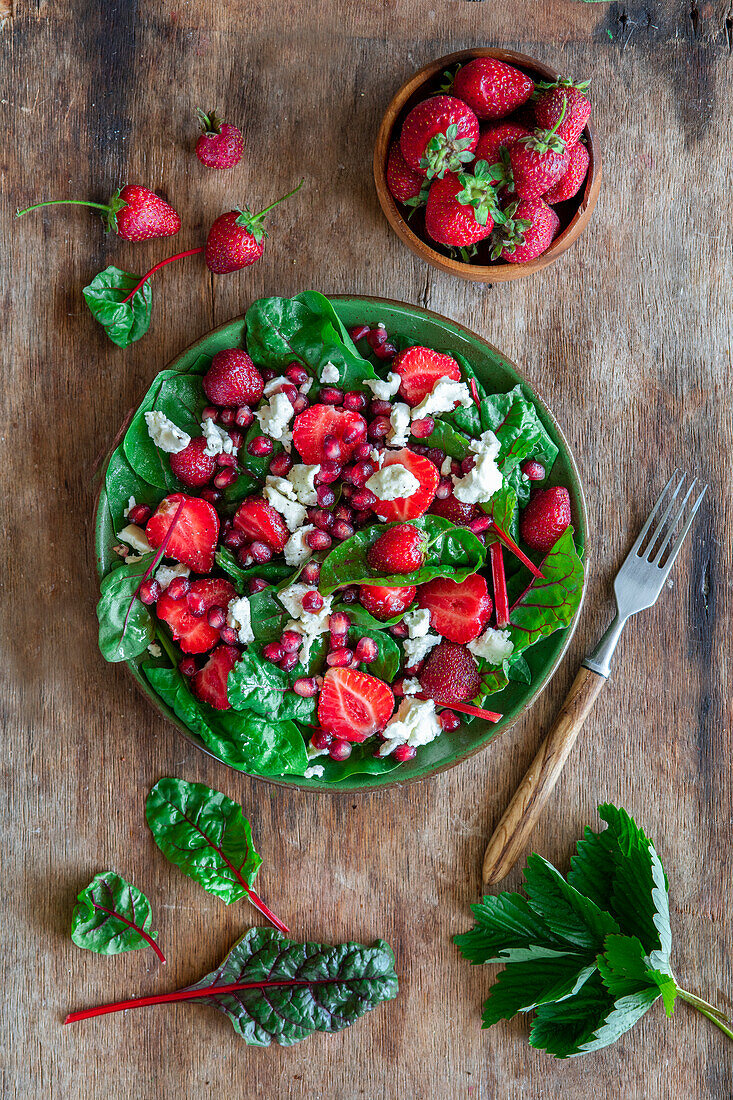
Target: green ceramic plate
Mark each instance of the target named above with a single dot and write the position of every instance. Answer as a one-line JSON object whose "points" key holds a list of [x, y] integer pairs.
{"points": [[498, 374]]}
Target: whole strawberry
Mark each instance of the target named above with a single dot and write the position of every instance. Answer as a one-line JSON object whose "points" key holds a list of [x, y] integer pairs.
{"points": [[450, 675], [564, 105], [221, 145], [537, 162], [528, 231], [236, 239], [439, 135], [134, 213], [496, 138], [492, 89], [569, 184], [404, 183], [545, 518], [401, 549], [461, 209]]}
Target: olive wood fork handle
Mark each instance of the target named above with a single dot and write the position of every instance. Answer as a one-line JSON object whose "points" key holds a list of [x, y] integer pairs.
{"points": [[522, 813]]}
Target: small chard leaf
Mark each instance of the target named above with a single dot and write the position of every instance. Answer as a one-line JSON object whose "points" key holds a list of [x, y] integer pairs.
{"points": [[453, 552], [126, 626], [124, 322], [181, 398], [566, 911], [526, 985], [550, 602], [120, 483], [271, 571], [267, 614], [256, 684], [519, 672], [111, 915], [446, 438]]}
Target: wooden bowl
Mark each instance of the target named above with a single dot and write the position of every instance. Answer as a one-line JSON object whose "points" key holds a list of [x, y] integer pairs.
{"points": [[572, 223]]}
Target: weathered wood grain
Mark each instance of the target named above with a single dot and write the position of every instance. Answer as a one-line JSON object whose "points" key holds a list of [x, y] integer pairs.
{"points": [[629, 339]]}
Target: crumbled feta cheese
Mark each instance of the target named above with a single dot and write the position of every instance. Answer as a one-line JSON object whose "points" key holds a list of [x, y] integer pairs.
{"points": [[306, 387], [154, 650], [376, 456], [164, 433], [314, 773], [399, 421], [135, 537], [485, 479], [446, 467], [314, 752], [275, 385], [303, 479], [329, 374], [280, 493], [393, 482], [167, 573], [419, 642], [309, 624], [239, 618], [296, 548], [414, 723], [411, 687], [417, 622], [132, 503], [382, 390], [493, 645], [275, 416], [217, 440], [443, 397]]}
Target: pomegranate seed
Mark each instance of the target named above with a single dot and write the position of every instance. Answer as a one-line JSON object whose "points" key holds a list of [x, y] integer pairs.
{"points": [[337, 641], [244, 416], [436, 456], [311, 573], [342, 530], [178, 588], [210, 495], [339, 622], [385, 351], [228, 635], [364, 499], [533, 469], [325, 495], [331, 448], [468, 463], [196, 605], [288, 662], [448, 720], [291, 641], [210, 412], [403, 753], [329, 472], [376, 337], [358, 332], [257, 584], [355, 401], [225, 477], [243, 555], [236, 437], [423, 427], [354, 433], [419, 448], [399, 630], [260, 445], [260, 552], [300, 403], [233, 539], [322, 519], [331, 395], [362, 451], [216, 617], [281, 464], [362, 472], [339, 750], [346, 490], [312, 600], [226, 417], [297, 374], [378, 428], [268, 374], [350, 594], [321, 739], [225, 460], [445, 488], [366, 651], [379, 408], [150, 591], [479, 525], [306, 687], [273, 652], [343, 512], [361, 517], [140, 514], [187, 667]]}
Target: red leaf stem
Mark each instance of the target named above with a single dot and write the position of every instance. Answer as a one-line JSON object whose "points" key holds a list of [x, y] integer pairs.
{"points": [[130, 924], [467, 708], [511, 545], [146, 276], [501, 599]]}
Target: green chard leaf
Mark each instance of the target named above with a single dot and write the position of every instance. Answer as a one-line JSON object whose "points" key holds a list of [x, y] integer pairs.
{"points": [[258, 685], [270, 571], [123, 322], [364, 625], [550, 602], [120, 483], [126, 626], [181, 398], [111, 915]]}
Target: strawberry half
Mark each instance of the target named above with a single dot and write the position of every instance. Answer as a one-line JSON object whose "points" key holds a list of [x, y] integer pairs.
{"points": [[439, 135], [400, 549], [459, 610], [192, 632], [419, 369], [451, 674], [384, 602], [416, 505], [545, 518], [311, 427], [209, 685], [354, 705], [491, 88], [194, 538], [258, 520], [233, 379], [192, 466]]}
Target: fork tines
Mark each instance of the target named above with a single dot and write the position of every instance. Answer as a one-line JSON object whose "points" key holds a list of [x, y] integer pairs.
{"points": [[653, 543]]}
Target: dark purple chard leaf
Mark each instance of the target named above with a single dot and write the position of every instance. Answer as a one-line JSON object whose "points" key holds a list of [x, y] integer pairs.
{"points": [[124, 322], [550, 602], [111, 915]]}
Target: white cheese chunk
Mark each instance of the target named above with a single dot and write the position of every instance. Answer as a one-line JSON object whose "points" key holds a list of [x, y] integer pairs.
{"points": [[164, 433], [167, 573], [314, 773], [279, 492], [444, 397], [384, 391], [417, 649], [309, 624], [275, 416], [296, 548], [275, 385], [411, 686], [303, 479], [239, 618], [493, 645], [393, 482], [446, 467], [415, 723], [329, 374], [485, 479], [417, 622], [154, 650], [217, 440], [135, 537], [399, 425], [132, 503]]}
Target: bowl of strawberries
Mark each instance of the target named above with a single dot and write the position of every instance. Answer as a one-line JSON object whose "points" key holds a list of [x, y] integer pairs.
{"points": [[486, 164]]}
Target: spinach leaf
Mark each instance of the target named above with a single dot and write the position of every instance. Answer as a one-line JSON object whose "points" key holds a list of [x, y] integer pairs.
{"points": [[270, 571], [446, 438], [111, 915], [471, 420], [518, 670], [364, 625], [256, 684], [452, 552], [126, 626], [550, 602], [268, 615], [361, 762], [123, 322], [120, 483], [181, 398]]}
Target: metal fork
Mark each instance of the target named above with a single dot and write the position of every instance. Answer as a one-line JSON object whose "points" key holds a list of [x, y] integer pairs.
{"points": [[637, 586]]}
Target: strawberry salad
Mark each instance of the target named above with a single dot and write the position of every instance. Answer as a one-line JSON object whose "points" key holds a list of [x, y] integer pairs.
{"points": [[333, 546]]}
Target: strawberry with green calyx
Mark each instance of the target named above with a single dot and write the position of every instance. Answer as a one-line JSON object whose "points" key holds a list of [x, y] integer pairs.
{"points": [[221, 144], [451, 222], [479, 191], [495, 140], [528, 231], [134, 213], [439, 135], [403, 182], [565, 107], [236, 239], [538, 161]]}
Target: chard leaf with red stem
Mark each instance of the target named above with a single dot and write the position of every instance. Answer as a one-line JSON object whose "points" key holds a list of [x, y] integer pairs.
{"points": [[111, 915], [208, 837], [106, 296], [274, 990], [126, 627], [550, 602]]}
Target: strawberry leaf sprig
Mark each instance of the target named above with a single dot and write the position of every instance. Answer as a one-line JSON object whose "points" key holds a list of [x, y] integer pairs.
{"points": [[589, 954], [479, 191]]}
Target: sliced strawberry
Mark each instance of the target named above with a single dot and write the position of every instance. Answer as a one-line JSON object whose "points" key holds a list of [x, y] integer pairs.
{"points": [[354, 705], [400, 549], [233, 379], [451, 674], [192, 632], [420, 368], [384, 602], [459, 610], [416, 505], [192, 466], [455, 510], [545, 518], [209, 685], [258, 520], [311, 427], [193, 540]]}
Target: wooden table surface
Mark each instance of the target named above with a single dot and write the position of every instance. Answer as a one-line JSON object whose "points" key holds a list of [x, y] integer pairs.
{"points": [[628, 337]]}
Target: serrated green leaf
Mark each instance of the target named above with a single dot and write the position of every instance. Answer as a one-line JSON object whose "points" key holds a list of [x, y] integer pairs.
{"points": [[124, 322], [111, 915], [589, 1020], [526, 985], [504, 925], [565, 911]]}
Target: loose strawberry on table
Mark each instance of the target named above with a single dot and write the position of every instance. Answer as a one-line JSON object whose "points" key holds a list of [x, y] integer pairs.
{"points": [[221, 144], [134, 213]]}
